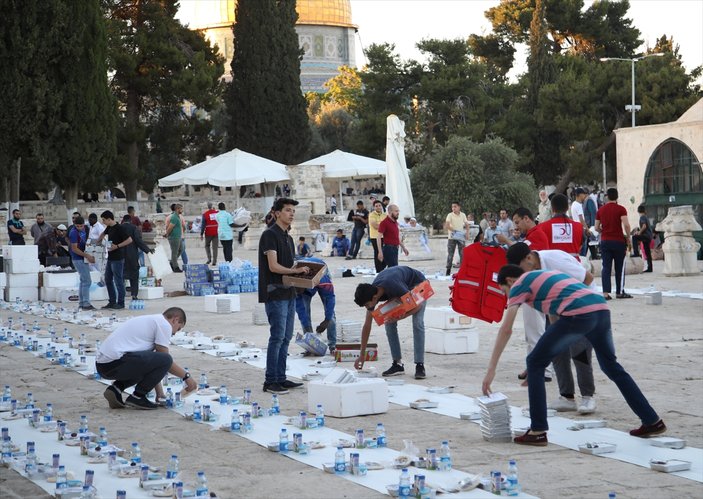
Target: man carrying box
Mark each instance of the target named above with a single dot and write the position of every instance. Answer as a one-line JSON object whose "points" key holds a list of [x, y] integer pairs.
{"points": [[391, 283]]}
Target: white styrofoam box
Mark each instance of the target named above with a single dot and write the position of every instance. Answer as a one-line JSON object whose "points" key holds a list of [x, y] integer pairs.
{"points": [[98, 293], [68, 295], [150, 293], [445, 318], [451, 342], [22, 266], [61, 280], [365, 396], [3, 279], [212, 300], [25, 294], [95, 276], [48, 294], [22, 280], [23, 252]]}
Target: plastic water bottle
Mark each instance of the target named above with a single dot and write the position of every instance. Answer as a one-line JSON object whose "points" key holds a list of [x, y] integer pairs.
{"points": [[65, 332], [7, 394], [6, 450], [275, 404], [197, 411], [283, 441], [136, 455], [223, 394], [404, 483], [87, 492], [339, 461], [320, 416], [512, 485], [201, 489], [29, 403], [61, 478], [83, 428], [380, 435], [611, 495], [169, 398], [203, 381], [49, 412], [445, 458], [102, 438], [172, 468], [235, 424]]}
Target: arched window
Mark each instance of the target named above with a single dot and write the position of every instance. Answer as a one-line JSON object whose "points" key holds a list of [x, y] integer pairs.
{"points": [[673, 169]]}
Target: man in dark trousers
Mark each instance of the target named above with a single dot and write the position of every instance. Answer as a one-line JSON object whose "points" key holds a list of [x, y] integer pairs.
{"points": [[114, 271], [131, 255], [388, 238]]}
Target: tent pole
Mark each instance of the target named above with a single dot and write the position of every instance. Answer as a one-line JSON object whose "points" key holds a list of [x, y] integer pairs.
{"points": [[340, 203]]}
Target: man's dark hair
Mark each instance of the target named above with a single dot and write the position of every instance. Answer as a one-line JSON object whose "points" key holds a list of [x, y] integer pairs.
{"points": [[364, 293], [509, 270], [130, 208], [172, 312], [92, 218], [281, 202], [173, 206], [457, 203], [76, 213], [126, 219], [15, 211], [377, 202], [612, 194], [220, 206], [79, 220], [360, 202], [641, 209], [40, 214], [386, 198], [560, 203], [523, 212], [301, 238], [107, 214], [517, 253]]}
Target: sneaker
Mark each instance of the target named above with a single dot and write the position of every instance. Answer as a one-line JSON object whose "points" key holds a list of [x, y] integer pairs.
{"points": [[108, 306], [114, 397], [177, 270], [207, 263], [140, 403], [275, 388], [86, 308], [118, 306], [395, 370], [587, 405], [291, 384], [532, 439], [420, 371], [649, 430], [563, 404], [623, 295]]}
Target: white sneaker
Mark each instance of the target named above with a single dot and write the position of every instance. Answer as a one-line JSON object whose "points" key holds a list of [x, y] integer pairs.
{"points": [[563, 404], [587, 405]]}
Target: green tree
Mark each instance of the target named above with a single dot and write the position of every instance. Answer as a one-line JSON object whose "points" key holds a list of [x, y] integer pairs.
{"points": [[266, 106], [481, 176], [344, 89], [156, 63]]}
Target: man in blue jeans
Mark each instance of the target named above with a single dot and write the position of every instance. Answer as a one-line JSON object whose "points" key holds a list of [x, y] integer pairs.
{"points": [[391, 283], [360, 217], [81, 261], [575, 312], [114, 270], [276, 254], [302, 306]]}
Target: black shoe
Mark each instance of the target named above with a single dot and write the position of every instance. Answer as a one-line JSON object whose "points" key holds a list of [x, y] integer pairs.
{"points": [[348, 258], [420, 371], [547, 379], [140, 403], [290, 384], [118, 306], [108, 306], [177, 270], [113, 397], [87, 308], [648, 270], [207, 263], [449, 271], [275, 388], [395, 370]]}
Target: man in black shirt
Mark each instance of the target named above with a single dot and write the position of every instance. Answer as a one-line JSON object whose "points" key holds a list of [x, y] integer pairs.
{"points": [[114, 271], [276, 253], [360, 217], [131, 254], [15, 229]]}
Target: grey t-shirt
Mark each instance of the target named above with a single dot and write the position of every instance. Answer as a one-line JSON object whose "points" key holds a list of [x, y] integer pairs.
{"points": [[396, 281]]}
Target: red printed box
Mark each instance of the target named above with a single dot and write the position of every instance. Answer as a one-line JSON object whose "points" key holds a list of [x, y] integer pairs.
{"points": [[397, 307]]}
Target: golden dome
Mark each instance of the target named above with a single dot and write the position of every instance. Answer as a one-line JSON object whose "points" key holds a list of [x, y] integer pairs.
{"points": [[325, 12]]}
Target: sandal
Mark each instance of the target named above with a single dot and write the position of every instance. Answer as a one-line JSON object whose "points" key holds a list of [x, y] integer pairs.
{"points": [[607, 297], [623, 295], [522, 375]]}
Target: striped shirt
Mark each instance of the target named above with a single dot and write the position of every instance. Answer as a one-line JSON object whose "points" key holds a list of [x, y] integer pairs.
{"points": [[555, 293]]}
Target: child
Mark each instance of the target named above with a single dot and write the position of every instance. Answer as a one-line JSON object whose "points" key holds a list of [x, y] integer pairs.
{"points": [[303, 248]]}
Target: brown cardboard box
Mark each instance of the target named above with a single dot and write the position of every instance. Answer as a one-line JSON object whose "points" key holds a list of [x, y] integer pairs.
{"points": [[349, 352], [317, 269]]}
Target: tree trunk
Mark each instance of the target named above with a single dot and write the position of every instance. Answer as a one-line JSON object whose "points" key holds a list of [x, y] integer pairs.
{"points": [[15, 185], [132, 115], [57, 198], [71, 198]]}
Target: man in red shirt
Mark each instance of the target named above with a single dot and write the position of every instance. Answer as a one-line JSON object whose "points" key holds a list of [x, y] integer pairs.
{"points": [[562, 233], [524, 220], [208, 227], [389, 238], [614, 228]]}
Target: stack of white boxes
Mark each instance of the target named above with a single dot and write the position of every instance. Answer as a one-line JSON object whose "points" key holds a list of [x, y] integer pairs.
{"points": [[447, 332], [350, 397], [21, 265], [63, 287]]}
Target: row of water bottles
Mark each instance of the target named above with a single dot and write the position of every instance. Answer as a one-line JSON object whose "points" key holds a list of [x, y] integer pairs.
{"points": [[136, 305]]}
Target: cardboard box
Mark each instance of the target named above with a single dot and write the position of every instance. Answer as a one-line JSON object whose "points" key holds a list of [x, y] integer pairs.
{"points": [[317, 270], [24, 294], [48, 294], [365, 396], [393, 309], [311, 342], [23, 280], [24, 252], [349, 352], [451, 342], [68, 296], [61, 280], [212, 303], [445, 318], [22, 266], [150, 293]]}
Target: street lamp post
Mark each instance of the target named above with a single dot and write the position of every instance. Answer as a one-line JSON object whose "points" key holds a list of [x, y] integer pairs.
{"points": [[633, 108]]}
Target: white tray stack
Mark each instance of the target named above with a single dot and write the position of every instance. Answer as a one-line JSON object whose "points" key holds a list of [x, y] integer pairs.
{"points": [[21, 264], [259, 317], [348, 331], [448, 332], [495, 418]]}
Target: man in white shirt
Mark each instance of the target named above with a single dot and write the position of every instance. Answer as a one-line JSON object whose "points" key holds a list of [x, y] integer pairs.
{"points": [[136, 353], [505, 224], [457, 226], [580, 352]]}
